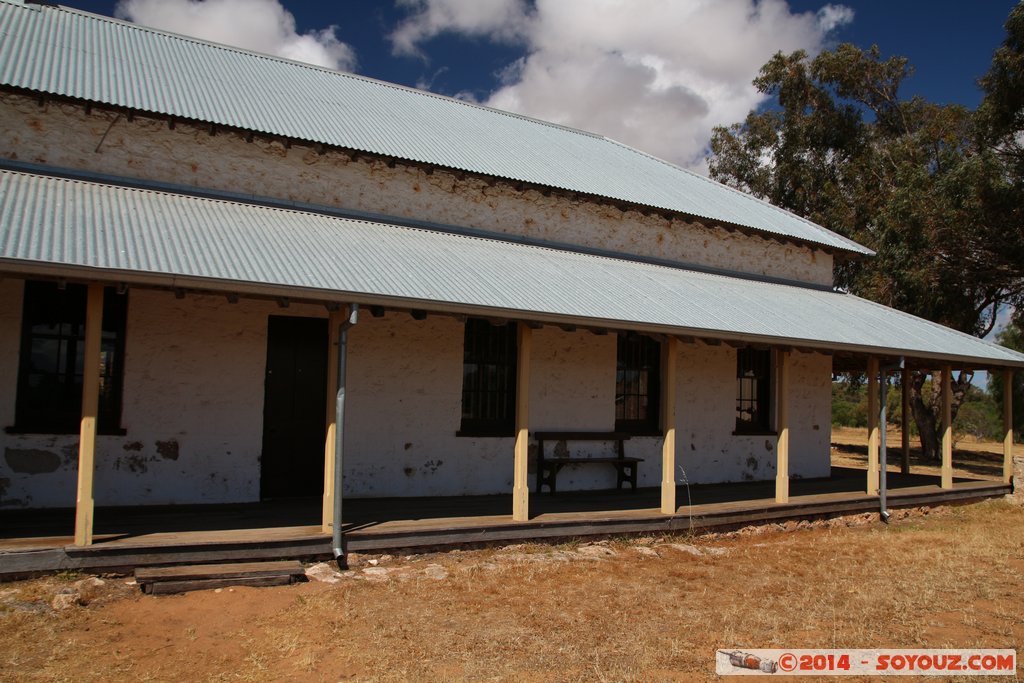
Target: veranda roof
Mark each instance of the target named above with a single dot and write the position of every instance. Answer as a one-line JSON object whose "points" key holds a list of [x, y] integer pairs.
{"points": [[93, 230]]}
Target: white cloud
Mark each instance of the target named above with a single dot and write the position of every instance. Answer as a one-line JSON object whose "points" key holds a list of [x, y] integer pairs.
{"points": [[657, 75], [259, 25], [502, 20], [834, 16]]}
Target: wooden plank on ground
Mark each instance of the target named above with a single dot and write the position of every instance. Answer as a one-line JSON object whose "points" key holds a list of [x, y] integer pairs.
{"points": [[218, 571], [171, 587], [166, 580]]}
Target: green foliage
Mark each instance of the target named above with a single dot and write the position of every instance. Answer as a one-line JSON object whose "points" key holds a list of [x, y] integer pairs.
{"points": [[1011, 337], [936, 190], [979, 416], [911, 179], [849, 404], [1001, 114]]}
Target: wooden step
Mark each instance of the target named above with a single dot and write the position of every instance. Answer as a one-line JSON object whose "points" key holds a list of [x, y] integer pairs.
{"points": [[165, 580]]}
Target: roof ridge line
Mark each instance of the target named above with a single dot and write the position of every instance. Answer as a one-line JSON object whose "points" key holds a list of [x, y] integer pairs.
{"points": [[316, 67]]}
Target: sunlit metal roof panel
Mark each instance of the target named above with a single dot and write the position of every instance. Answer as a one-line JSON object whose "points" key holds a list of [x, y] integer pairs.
{"points": [[66, 52]]}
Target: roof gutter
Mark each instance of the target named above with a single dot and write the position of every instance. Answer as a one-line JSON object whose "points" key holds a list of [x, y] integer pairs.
{"points": [[22, 268]]}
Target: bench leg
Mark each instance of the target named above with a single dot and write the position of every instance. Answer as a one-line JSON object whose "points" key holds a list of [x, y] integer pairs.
{"points": [[547, 473], [626, 472]]}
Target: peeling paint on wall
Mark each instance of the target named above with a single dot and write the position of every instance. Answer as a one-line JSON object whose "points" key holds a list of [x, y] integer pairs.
{"points": [[31, 460], [193, 366]]}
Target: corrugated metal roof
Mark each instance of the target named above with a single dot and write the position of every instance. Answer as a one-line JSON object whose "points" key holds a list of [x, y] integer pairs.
{"points": [[71, 53], [180, 240]]}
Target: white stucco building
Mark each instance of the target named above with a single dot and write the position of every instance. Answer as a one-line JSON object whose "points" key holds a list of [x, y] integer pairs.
{"points": [[511, 276]]}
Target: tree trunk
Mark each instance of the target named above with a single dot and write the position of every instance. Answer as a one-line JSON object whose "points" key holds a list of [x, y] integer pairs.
{"points": [[926, 404]]}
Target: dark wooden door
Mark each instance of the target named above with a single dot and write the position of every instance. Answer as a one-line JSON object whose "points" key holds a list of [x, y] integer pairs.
{"points": [[294, 407]]}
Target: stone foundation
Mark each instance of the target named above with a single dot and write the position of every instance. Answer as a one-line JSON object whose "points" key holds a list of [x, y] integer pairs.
{"points": [[1017, 497]]}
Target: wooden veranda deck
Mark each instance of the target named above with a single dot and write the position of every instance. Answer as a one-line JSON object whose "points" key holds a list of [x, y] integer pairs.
{"points": [[42, 540]]}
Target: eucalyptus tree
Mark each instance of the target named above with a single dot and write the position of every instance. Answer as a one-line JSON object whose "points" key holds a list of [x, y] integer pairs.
{"points": [[934, 189]]}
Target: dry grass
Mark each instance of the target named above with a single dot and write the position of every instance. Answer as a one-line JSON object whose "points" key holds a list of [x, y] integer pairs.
{"points": [[948, 579], [971, 457]]}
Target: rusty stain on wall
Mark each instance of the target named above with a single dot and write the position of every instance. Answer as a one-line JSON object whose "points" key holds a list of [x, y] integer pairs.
{"points": [[168, 450], [134, 462], [31, 460], [70, 454]]}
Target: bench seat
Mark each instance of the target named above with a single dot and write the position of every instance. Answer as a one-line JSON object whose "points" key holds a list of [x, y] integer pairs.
{"points": [[548, 468]]}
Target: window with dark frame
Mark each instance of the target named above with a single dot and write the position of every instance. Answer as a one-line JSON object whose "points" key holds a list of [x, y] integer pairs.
{"points": [[753, 391], [488, 379], [49, 399], [638, 385]]}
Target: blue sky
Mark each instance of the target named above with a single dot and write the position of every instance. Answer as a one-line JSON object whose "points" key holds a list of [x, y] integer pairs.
{"points": [[950, 43]]}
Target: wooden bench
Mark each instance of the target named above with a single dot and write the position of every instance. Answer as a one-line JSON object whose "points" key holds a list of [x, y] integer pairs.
{"points": [[548, 468]]}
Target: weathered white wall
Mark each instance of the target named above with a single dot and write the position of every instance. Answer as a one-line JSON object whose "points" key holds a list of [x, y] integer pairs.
{"points": [[64, 135], [810, 441], [707, 449], [193, 409], [403, 407]]}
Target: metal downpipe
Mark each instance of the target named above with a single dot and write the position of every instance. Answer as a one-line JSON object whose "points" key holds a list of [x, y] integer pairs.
{"points": [[338, 539], [882, 453], [883, 506]]}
